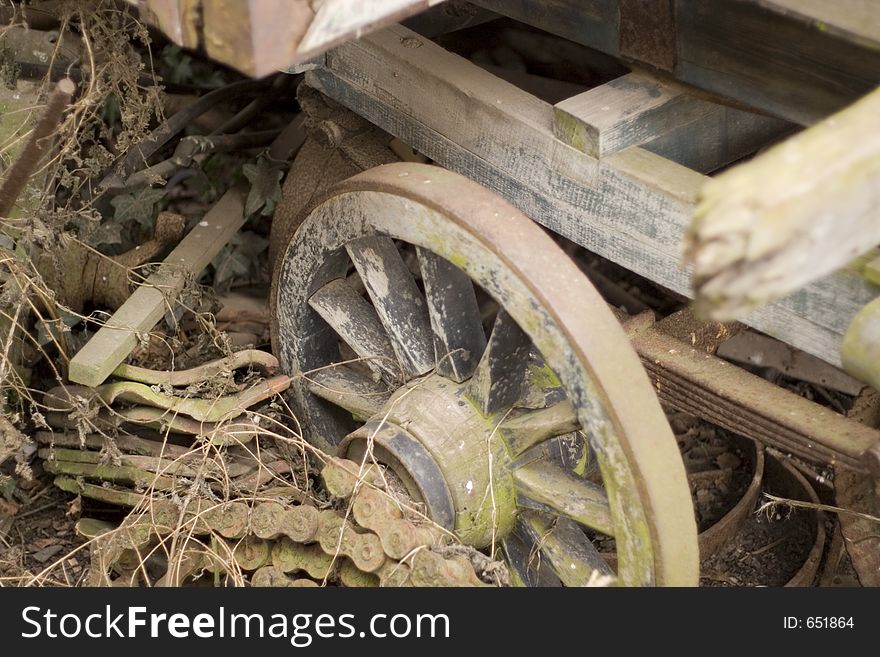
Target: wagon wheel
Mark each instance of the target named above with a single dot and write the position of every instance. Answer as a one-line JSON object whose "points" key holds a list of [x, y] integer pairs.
{"points": [[399, 365]]}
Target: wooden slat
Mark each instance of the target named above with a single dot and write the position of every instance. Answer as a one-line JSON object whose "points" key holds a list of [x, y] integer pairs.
{"points": [[638, 109], [592, 22], [566, 494], [628, 111], [631, 207], [498, 381], [357, 323], [459, 339], [148, 304], [797, 60], [397, 299], [350, 390], [723, 136], [572, 556], [791, 67], [521, 433], [794, 214]]}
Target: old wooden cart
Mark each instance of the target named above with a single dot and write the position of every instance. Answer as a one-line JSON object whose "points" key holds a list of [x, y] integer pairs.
{"points": [[396, 263]]}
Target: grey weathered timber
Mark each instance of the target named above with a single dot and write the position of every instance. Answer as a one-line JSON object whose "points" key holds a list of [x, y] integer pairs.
{"points": [[799, 60], [724, 136], [259, 37], [631, 207], [459, 339], [147, 304], [397, 300], [628, 111], [498, 381], [357, 323], [792, 66], [592, 22], [639, 109]]}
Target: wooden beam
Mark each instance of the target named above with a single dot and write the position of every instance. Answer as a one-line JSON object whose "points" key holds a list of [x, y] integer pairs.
{"points": [[631, 207], [628, 111], [147, 304], [639, 109], [797, 59], [778, 62], [798, 212], [719, 138]]}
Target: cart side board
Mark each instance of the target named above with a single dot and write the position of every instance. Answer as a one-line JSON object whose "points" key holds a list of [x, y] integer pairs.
{"points": [[631, 207]]}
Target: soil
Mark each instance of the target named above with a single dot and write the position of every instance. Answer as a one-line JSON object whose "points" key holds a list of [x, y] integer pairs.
{"points": [[35, 545], [719, 465], [769, 549]]}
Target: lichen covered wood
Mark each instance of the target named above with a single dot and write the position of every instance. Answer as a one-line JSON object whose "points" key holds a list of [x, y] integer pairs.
{"points": [[794, 214]]}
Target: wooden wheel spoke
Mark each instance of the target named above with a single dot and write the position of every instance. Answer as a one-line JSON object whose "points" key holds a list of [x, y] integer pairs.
{"points": [[349, 389], [564, 545], [542, 387], [356, 322], [498, 380], [525, 559], [399, 303], [533, 427], [459, 340], [545, 486]]}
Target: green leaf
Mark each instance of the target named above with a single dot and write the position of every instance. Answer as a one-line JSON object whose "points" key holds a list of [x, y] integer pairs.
{"points": [[139, 206], [265, 189]]}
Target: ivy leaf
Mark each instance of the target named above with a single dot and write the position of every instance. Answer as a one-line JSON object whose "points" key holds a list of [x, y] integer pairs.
{"points": [[139, 206], [265, 189]]}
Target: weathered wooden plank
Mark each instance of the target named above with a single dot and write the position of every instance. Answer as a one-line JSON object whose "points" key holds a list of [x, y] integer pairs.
{"points": [[631, 207], [638, 109], [259, 37], [798, 212], [357, 323], [459, 339], [777, 62], [719, 138], [148, 304], [451, 16], [397, 300], [628, 111], [855, 20], [797, 60], [592, 23]]}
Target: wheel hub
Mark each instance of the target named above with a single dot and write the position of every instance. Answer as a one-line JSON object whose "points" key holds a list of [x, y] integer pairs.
{"points": [[449, 455]]}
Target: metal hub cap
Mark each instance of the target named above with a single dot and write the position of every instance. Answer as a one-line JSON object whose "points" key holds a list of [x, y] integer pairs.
{"points": [[450, 456]]}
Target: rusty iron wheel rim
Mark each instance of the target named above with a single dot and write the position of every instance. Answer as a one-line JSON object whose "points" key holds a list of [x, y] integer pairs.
{"points": [[562, 315]]}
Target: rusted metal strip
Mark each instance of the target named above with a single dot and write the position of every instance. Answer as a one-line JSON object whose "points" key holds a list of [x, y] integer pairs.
{"points": [[697, 382]]}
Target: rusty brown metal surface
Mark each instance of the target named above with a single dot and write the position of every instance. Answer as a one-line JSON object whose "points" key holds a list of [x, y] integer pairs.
{"points": [[713, 538], [281, 544], [692, 380]]}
